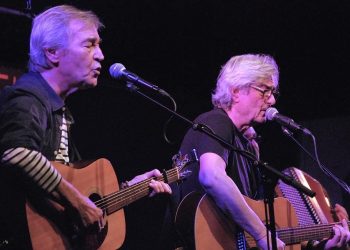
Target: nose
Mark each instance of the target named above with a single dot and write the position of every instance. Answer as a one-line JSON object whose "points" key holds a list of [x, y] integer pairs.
{"points": [[98, 54], [271, 100]]}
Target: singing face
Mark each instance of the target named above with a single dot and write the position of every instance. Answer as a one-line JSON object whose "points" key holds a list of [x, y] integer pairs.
{"points": [[80, 60], [255, 100]]}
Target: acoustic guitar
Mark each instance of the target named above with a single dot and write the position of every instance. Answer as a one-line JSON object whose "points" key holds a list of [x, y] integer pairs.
{"points": [[203, 226], [52, 226]]}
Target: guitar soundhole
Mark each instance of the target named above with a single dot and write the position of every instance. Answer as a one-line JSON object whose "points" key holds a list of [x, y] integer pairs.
{"points": [[94, 239], [88, 238], [95, 197]]}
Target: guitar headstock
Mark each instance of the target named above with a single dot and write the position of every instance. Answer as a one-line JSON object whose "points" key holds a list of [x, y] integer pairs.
{"points": [[181, 161]]}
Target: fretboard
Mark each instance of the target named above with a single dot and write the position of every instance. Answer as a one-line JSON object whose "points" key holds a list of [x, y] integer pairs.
{"points": [[117, 200], [305, 233]]}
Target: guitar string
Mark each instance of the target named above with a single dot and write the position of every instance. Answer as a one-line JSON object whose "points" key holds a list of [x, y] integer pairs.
{"points": [[304, 232], [298, 234], [105, 202], [306, 228], [131, 190], [124, 192], [140, 192]]}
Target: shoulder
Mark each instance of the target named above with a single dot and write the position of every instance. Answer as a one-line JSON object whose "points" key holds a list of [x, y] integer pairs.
{"points": [[22, 98], [31, 84], [214, 113], [26, 85], [216, 119], [31, 87]]}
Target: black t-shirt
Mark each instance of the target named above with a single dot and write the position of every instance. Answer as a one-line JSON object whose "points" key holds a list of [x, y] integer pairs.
{"points": [[238, 167]]}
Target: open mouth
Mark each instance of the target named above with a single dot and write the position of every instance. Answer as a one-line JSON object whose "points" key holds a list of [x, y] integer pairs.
{"points": [[96, 72]]}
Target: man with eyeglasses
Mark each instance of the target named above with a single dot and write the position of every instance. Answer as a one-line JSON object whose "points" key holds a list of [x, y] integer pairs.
{"points": [[267, 91], [247, 85]]}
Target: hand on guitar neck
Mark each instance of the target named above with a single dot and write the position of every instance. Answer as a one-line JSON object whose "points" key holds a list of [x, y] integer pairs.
{"points": [[340, 238], [339, 213], [157, 186]]}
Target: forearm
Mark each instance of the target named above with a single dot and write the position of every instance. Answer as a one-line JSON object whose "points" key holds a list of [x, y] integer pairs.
{"points": [[33, 165], [68, 194], [230, 200], [45, 176]]}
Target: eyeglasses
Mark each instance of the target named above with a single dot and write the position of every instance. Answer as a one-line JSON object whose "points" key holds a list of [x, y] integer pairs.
{"points": [[267, 92]]}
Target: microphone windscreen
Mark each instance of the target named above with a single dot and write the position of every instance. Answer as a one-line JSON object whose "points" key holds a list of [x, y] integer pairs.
{"points": [[270, 113], [116, 70]]}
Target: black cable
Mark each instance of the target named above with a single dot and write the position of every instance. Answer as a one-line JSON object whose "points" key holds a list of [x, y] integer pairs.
{"points": [[324, 169], [165, 126]]}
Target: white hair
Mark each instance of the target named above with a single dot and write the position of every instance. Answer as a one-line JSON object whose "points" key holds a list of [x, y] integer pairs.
{"points": [[240, 72], [50, 30]]}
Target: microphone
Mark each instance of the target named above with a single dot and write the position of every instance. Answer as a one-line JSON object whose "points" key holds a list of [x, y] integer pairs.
{"points": [[272, 114], [119, 72]]}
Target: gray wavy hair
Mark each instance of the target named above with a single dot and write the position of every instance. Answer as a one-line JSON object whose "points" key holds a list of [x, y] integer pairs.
{"points": [[50, 30], [240, 72]]}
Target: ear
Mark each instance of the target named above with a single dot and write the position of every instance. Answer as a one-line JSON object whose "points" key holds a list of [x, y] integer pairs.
{"points": [[235, 94], [52, 55]]}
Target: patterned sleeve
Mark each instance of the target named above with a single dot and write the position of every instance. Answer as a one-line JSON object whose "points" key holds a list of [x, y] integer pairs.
{"points": [[34, 166]]}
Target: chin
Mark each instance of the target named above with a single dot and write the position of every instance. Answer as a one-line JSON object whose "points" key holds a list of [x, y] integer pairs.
{"points": [[260, 120], [88, 85]]}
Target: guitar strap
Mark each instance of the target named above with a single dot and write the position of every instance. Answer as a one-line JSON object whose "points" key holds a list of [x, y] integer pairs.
{"points": [[247, 173], [241, 242]]}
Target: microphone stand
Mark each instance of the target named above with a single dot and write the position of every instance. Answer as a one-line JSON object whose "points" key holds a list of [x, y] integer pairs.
{"points": [[325, 170], [268, 189]]}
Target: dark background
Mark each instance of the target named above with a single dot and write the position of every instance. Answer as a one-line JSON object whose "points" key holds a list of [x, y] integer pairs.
{"points": [[180, 46]]}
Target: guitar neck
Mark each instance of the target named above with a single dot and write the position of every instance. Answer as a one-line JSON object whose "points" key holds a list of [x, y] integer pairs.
{"points": [[117, 200], [305, 233]]}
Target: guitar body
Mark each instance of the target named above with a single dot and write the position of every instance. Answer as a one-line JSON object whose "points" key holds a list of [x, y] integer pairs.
{"points": [[285, 217], [50, 225], [204, 227]]}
